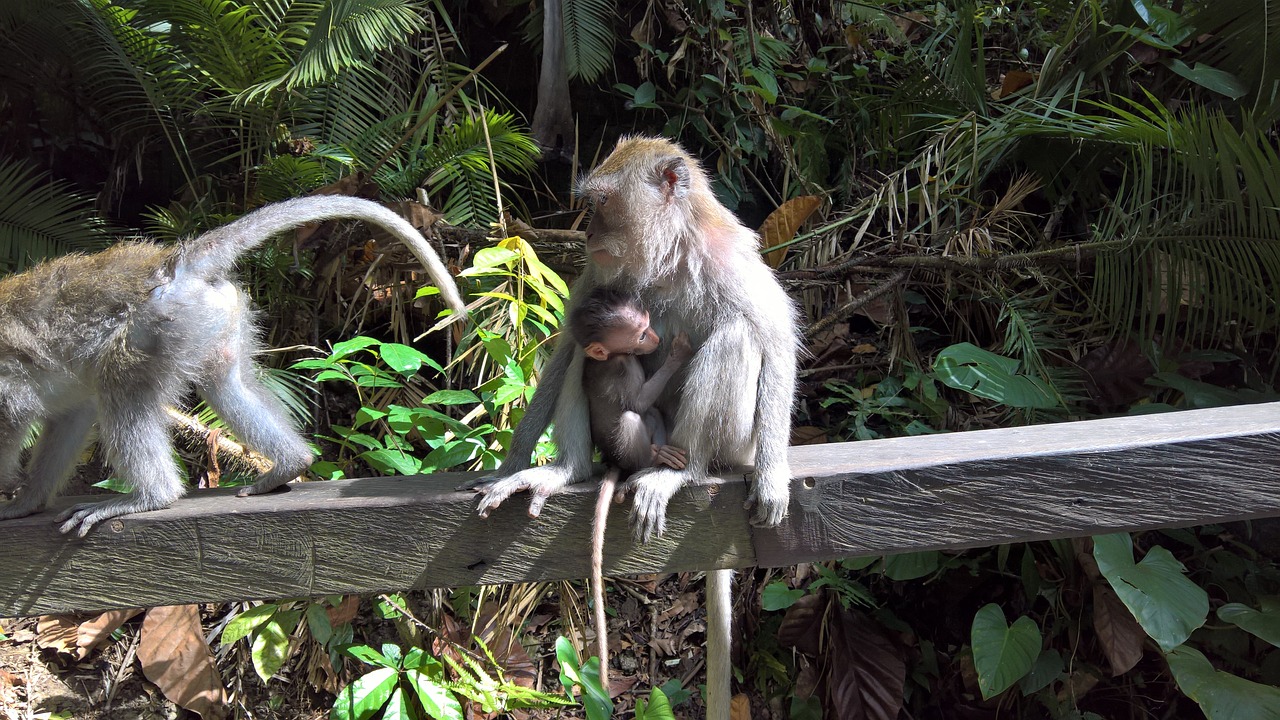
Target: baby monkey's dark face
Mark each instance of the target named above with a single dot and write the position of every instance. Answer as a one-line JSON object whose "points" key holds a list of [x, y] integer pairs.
{"points": [[631, 336]]}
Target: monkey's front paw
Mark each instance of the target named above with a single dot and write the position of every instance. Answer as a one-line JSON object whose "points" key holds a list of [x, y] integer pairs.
{"points": [[652, 490], [771, 496], [540, 482]]}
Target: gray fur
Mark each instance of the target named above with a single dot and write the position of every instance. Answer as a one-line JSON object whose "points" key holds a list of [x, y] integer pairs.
{"points": [[114, 338]]}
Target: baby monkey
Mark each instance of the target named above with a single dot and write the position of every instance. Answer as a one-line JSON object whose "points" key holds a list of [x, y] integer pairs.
{"points": [[613, 330]]}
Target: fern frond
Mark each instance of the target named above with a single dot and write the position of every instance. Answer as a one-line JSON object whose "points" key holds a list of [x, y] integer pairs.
{"points": [[42, 218]]}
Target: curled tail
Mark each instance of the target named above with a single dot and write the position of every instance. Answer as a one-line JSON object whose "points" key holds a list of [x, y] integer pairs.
{"points": [[217, 250], [598, 522]]}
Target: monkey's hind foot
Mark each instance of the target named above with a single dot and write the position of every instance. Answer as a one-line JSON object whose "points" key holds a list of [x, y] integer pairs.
{"points": [[653, 489], [81, 518], [770, 497], [17, 508]]}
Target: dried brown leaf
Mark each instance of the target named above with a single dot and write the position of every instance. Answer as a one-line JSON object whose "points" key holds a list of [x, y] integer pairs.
{"points": [[868, 670], [782, 224], [175, 657], [345, 612], [801, 626], [92, 632], [1013, 81], [57, 633], [1118, 632]]}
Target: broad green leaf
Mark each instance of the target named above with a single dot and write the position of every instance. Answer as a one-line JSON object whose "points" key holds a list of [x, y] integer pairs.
{"points": [[595, 698], [493, 257], [392, 462], [365, 696], [658, 708], [398, 707], [451, 397], [332, 375], [346, 347], [271, 645], [1048, 667], [1167, 605], [1002, 654], [328, 470], [247, 621], [435, 698], [450, 455], [645, 95], [393, 654], [965, 366], [567, 656], [366, 415], [1219, 81], [909, 566], [777, 596], [1264, 624], [318, 623], [1222, 696], [388, 610], [406, 360]]}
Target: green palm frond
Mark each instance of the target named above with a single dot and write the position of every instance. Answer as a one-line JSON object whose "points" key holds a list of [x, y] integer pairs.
{"points": [[588, 37], [345, 34], [42, 218], [456, 167]]}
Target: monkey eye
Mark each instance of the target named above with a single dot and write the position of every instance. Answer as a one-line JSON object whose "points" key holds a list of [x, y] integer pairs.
{"points": [[601, 199]]}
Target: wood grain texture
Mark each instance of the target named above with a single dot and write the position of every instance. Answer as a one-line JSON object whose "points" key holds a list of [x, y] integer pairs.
{"points": [[878, 497]]}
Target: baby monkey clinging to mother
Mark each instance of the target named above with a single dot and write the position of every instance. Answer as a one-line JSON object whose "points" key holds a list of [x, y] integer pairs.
{"points": [[613, 329]]}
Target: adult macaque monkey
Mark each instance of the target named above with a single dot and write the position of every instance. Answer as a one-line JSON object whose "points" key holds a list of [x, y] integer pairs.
{"points": [[113, 338], [659, 229], [630, 432]]}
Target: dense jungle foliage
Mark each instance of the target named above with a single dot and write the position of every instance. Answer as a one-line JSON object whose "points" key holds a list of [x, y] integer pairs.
{"points": [[1078, 202]]}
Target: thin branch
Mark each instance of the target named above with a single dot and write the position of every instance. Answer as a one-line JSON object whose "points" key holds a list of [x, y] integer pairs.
{"points": [[848, 308]]}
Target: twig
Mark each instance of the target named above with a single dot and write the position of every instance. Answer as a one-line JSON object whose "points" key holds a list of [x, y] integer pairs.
{"points": [[227, 448], [847, 309], [120, 672]]}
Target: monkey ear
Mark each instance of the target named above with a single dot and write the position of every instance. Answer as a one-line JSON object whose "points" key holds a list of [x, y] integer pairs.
{"points": [[674, 177], [596, 351]]}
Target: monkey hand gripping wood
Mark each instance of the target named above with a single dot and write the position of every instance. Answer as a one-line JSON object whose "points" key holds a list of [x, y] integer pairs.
{"points": [[658, 229], [114, 338]]}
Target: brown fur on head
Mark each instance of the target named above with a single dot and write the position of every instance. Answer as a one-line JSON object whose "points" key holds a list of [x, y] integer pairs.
{"points": [[653, 183], [610, 321]]}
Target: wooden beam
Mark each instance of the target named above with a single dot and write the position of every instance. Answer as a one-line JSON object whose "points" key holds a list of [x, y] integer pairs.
{"points": [[878, 497]]}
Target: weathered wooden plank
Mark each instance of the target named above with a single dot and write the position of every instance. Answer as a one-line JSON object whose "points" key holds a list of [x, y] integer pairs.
{"points": [[344, 537], [942, 491], [1031, 483]]}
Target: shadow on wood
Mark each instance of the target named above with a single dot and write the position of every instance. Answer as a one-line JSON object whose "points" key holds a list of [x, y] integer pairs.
{"points": [[878, 497]]}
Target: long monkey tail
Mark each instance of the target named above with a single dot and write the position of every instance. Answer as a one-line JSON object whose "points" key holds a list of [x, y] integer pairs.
{"points": [[598, 522], [216, 251], [719, 643]]}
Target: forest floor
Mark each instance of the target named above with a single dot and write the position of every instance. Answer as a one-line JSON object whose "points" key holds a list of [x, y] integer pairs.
{"points": [[55, 667]]}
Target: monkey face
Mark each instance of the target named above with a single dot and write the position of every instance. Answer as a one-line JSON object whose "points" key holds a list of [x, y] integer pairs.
{"points": [[634, 337]]}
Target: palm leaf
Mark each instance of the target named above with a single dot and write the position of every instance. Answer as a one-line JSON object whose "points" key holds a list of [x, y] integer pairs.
{"points": [[42, 218], [345, 34], [588, 37]]}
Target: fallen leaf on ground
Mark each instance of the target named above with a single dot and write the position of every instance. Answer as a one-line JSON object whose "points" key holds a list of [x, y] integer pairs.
{"points": [[175, 657]]}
